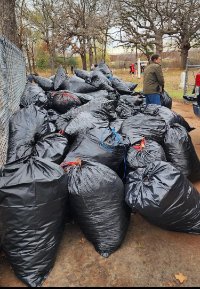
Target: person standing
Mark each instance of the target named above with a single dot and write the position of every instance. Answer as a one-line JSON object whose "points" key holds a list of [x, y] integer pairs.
{"points": [[154, 82], [132, 68]]}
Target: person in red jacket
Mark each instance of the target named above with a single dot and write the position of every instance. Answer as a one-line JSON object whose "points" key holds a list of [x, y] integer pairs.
{"points": [[132, 68]]}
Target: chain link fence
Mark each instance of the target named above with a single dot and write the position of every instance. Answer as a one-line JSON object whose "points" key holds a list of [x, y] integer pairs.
{"points": [[12, 84]]}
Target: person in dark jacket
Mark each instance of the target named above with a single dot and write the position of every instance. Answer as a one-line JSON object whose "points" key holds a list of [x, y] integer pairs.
{"points": [[153, 81]]}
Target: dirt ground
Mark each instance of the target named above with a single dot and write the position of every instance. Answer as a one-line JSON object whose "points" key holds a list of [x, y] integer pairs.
{"points": [[148, 257]]}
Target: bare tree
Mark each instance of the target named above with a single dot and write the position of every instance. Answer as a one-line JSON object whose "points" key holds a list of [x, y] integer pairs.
{"points": [[187, 22], [146, 22], [42, 18], [8, 25], [78, 27]]}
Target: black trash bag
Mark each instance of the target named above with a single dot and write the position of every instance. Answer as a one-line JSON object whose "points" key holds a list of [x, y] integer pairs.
{"points": [[144, 153], [52, 78], [131, 86], [62, 122], [26, 127], [181, 153], [59, 120], [81, 87], [144, 125], [100, 81], [168, 115], [97, 200], [84, 122], [120, 86], [52, 147], [102, 145], [86, 97], [84, 74], [164, 197], [117, 124], [62, 101], [60, 78], [102, 107], [132, 100], [129, 105], [123, 110], [33, 204], [78, 85], [33, 94], [45, 83], [166, 100], [53, 115], [102, 67], [113, 95]]}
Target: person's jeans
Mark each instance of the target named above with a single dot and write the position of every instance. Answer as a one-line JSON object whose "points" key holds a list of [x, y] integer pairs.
{"points": [[153, 99]]}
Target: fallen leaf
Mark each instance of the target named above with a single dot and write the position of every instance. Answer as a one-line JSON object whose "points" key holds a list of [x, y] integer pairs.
{"points": [[181, 278]]}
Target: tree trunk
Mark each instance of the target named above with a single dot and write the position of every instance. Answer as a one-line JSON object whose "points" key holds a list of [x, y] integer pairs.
{"points": [[33, 57], [8, 25], [91, 56], [184, 56], [185, 47], [28, 57], [51, 51], [159, 44], [64, 57], [52, 57], [84, 61], [95, 51], [105, 45]]}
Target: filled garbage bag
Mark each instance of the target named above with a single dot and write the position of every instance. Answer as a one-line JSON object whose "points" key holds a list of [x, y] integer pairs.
{"points": [[86, 97], [33, 94], [132, 100], [84, 74], [120, 86], [62, 101], [164, 197], [97, 200], [33, 204], [52, 147], [100, 81], [145, 152], [26, 127], [181, 153], [103, 145], [166, 100], [102, 107], [60, 77], [144, 125], [117, 124], [102, 67], [84, 122], [52, 78], [131, 86], [168, 115], [76, 84], [62, 122], [45, 83], [124, 110]]}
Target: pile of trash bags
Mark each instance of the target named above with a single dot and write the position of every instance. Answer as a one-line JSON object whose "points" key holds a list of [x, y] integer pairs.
{"points": [[87, 149]]}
